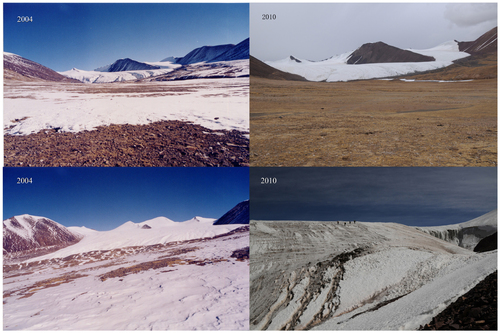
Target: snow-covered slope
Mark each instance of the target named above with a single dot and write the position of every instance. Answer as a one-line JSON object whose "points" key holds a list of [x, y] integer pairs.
{"points": [[466, 234], [31, 233], [355, 276], [161, 230], [337, 69], [198, 284]]}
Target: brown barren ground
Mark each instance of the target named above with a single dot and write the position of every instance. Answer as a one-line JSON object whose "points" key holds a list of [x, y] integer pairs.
{"points": [[162, 143], [373, 123]]}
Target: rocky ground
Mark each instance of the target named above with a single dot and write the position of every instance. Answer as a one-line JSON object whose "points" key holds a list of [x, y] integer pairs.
{"points": [[476, 310], [162, 143]]}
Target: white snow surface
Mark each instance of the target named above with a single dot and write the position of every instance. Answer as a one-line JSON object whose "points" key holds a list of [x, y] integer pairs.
{"points": [[417, 274], [218, 104], [163, 230], [62, 295], [337, 69]]}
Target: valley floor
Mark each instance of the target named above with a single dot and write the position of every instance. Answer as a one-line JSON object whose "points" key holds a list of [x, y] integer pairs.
{"points": [[197, 284], [373, 123], [202, 122]]}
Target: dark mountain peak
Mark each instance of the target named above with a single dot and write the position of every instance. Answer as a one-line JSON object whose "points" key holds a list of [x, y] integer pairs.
{"points": [[486, 43], [239, 214], [381, 52], [128, 64], [295, 59]]}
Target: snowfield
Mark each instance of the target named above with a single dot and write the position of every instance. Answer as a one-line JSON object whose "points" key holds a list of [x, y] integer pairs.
{"points": [[218, 104], [336, 68], [195, 284], [358, 276]]}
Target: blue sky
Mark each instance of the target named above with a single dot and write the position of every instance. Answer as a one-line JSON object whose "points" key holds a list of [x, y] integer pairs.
{"points": [[91, 35], [105, 198], [413, 196]]}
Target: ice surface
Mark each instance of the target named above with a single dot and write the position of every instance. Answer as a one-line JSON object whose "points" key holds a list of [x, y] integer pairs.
{"points": [[358, 276]]}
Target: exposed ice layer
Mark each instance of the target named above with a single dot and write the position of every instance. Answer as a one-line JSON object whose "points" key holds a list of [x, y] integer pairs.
{"points": [[350, 273], [337, 69], [466, 234], [30, 107]]}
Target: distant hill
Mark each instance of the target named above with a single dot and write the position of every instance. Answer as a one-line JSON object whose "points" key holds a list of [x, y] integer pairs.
{"points": [[260, 69], [380, 52], [126, 64]]}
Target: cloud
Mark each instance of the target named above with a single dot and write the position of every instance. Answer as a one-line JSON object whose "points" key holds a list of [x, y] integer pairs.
{"points": [[470, 14]]}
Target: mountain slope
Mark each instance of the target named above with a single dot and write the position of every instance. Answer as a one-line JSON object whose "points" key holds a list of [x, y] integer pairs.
{"points": [[204, 53], [486, 43], [466, 234], [261, 69], [239, 214], [33, 233], [238, 52], [19, 68]]}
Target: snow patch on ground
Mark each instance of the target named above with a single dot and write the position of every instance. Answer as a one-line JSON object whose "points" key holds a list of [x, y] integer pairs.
{"points": [[218, 104]]}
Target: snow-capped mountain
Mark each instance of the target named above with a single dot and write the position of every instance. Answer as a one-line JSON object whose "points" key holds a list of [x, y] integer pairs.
{"points": [[337, 67], [355, 276], [18, 68], [127, 69], [239, 214], [159, 230], [466, 234], [32, 233]]}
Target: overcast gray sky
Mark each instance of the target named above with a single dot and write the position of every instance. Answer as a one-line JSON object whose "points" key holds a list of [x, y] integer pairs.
{"points": [[413, 196], [319, 31]]}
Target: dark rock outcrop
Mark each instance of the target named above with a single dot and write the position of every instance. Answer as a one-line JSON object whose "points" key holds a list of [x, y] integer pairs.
{"points": [[486, 43], [380, 52], [487, 244], [239, 214], [476, 310]]}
